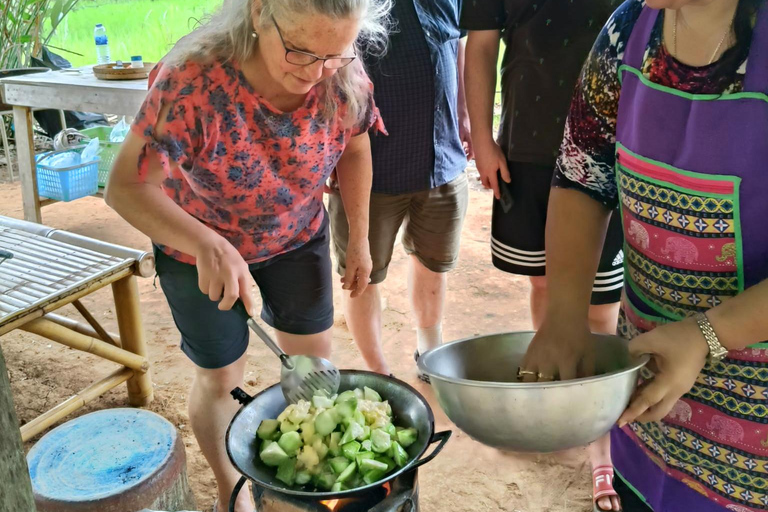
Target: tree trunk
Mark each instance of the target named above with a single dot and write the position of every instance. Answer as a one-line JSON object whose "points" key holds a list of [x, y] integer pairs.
{"points": [[16, 488]]}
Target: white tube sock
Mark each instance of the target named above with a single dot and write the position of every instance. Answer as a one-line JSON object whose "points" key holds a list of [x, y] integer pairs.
{"points": [[429, 337]]}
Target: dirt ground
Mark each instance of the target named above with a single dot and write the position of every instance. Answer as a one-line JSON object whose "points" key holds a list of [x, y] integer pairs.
{"points": [[467, 476]]}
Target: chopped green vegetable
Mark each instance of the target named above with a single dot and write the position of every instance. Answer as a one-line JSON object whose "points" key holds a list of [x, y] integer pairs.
{"points": [[335, 443], [353, 432], [373, 476], [389, 462], [407, 437], [273, 455], [400, 455], [268, 430], [339, 464], [348, 396], [303, 477], [367, 465], [290, 443], [371, 395], [325, 480], [347, 473], [325, 423], [286, 472], [380, 441], [350, 449], [322, 402], [364, 455]]}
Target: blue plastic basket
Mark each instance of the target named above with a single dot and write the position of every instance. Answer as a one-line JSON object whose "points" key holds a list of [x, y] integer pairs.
{"points": [[69, 183]]}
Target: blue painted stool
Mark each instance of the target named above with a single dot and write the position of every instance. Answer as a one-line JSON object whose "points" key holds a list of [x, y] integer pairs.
{"points": [[116, 460]]}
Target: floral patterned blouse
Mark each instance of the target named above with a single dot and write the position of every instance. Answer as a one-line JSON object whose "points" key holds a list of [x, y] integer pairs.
{"points": [[243, 168], [587, 154]]}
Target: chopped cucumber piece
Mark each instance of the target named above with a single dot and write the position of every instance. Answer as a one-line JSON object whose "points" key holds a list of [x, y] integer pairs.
{"points": [[267, 430], [366, 433], [350, 449], [347, 396], [353, 432], [347, 473], [337, 487], [380, 441], [359, 393], [290, 443], [407, 437], [303, 477], [367, 465], [359, 418], [366, 445], [371, 395], [325, 423], [288, 426], [273, 455], [389, 462], [264, 444], [334, 445], [339, 464], [345, 410], [390, 429], [364, 455], [325, 480], [373, 476], [400, 455], [286, 472], [322, 402]]}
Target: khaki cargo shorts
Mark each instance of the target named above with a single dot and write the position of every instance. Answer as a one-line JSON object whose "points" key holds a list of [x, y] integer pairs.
{"points": [[431, 222]]}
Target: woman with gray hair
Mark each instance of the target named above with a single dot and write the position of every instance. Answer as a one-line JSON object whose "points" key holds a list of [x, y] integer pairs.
{"points": [[224, 170]]}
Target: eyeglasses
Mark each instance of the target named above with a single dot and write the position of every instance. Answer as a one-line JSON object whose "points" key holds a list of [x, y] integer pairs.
{"points": [[300, 58]]}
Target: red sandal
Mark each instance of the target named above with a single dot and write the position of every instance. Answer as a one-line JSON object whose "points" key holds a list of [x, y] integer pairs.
{"points": [[602, 486]]}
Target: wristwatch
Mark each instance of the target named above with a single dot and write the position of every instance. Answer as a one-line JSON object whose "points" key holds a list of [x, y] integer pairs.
{"points": [[716, 350]]}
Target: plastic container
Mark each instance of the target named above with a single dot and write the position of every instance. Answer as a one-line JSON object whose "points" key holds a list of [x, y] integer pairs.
{"points": [[108, 153], [69, 183], [102, 44], [137, 62]]}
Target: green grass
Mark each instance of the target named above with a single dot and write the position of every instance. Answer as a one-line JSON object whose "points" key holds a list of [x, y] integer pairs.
{"points": [[135, 27]]}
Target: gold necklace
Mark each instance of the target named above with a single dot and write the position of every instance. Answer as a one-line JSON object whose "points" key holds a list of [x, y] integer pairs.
{"points": [[719, 45]]}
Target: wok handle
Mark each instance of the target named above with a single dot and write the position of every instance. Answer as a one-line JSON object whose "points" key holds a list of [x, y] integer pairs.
{"points": [[442, 437], [239, 485], [241, 396]]}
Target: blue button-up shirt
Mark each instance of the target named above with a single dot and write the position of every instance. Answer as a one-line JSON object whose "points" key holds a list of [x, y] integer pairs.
{"points": [[416, 90]]}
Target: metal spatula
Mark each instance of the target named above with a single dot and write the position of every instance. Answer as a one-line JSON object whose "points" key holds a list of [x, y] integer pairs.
{"points": [[300, 376]]}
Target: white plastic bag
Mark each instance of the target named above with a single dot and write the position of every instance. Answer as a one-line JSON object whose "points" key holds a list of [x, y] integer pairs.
{"points": [[119, 131]]}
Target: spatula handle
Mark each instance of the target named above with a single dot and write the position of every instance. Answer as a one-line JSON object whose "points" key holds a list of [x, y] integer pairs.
{"points": [[261, 333]]}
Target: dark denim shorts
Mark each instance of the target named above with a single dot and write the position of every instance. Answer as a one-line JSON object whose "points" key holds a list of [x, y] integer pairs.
{"points": [[296, 290]]}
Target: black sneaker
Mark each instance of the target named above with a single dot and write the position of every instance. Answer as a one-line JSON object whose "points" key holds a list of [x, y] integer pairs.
{"points": [[422, 376]]}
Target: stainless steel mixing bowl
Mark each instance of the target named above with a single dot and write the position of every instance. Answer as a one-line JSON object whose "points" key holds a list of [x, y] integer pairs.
{"points": [[475, 381]]}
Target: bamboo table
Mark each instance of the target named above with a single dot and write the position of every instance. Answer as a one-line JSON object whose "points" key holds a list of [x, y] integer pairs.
{"points": [[49, 269], [63, 90]]}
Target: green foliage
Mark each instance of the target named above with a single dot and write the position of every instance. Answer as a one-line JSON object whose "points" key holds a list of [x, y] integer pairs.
{"points": [[26, 26]]}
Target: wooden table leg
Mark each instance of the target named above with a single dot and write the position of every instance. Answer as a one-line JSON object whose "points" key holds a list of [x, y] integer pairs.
{"points": [[14, 475], [25, 151], [126, 293]]}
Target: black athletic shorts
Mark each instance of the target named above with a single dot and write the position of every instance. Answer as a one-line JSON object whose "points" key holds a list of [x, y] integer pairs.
{"points": [[517, 237], [296, 290]]}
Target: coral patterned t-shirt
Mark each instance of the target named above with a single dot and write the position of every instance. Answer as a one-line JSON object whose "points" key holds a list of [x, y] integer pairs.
{"points": [[243, 168]]}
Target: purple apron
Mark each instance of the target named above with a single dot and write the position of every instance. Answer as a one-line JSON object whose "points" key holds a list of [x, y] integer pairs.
{"points": [[692, 173]]}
